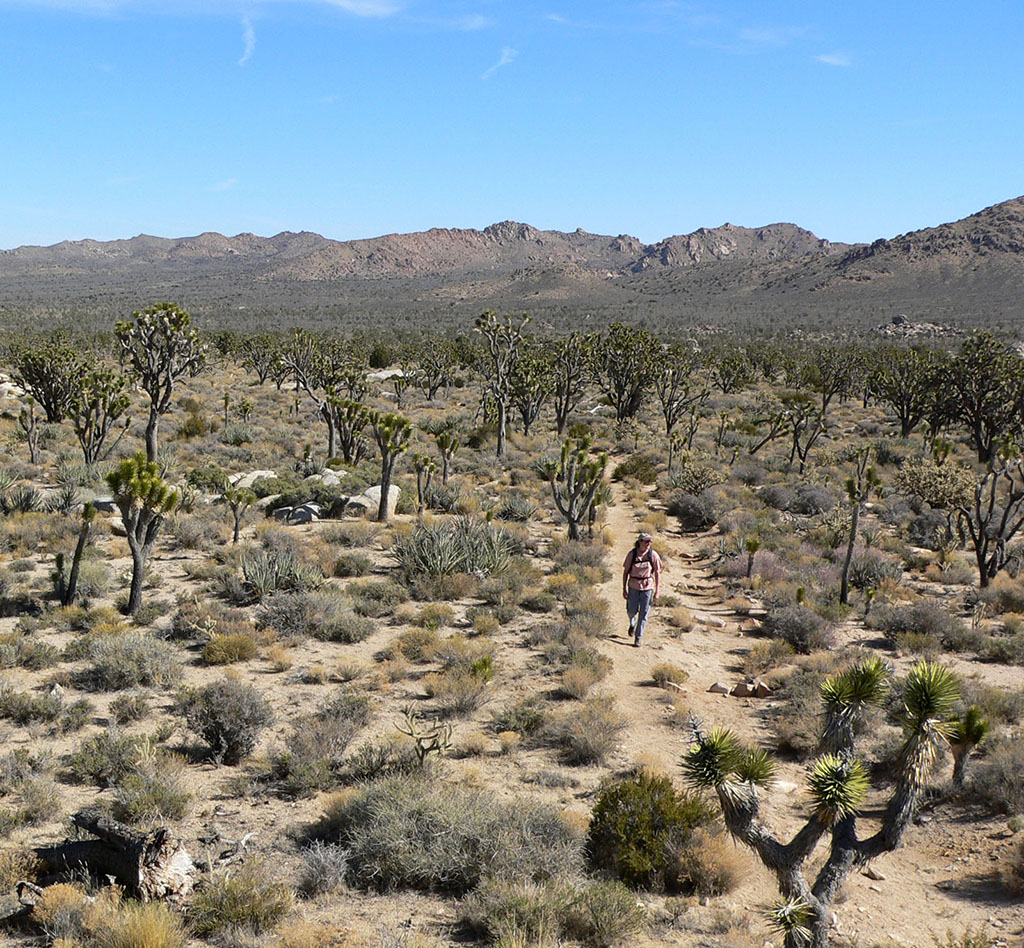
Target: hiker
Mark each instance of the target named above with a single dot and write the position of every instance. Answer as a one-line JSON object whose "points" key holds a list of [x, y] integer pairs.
{"points": [[641, 578]]}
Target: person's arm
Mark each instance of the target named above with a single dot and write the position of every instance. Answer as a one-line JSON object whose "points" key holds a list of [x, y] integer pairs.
{"points": [[625, 575], [657, 578]]}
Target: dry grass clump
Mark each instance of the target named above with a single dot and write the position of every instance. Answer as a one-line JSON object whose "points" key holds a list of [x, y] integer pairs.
{"points": [[131, 660], [410, 832], [247, 896], [587, 733], [764, 656], [321, 614], [679, 617], [226, 649], [665, 672]]}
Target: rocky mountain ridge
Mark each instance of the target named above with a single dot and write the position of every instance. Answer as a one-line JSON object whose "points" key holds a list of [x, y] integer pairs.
{"points": [[974, 266]]}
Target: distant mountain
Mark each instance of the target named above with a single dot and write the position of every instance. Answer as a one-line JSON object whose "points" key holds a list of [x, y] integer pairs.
{"points": [[779, 275]]}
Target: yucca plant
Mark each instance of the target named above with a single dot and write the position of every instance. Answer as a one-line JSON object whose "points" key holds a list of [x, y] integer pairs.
{"points": [[837, 784], [461, 546]]}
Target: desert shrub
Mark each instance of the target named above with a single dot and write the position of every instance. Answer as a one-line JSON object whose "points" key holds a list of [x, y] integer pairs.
{"points": [[638, 824], [637, 467], [140, 925], [1004, 594], [268, 571], [588, 733], [665, 673], [17, 650], [869, 571], [577, 680], [516, 508], [127, 708], [695, 479], [377, 761], [926, 618], [247, 896], [927, 527], [764, 656], [594, 914], [239, 433], [16, 865], [359, 533], [193, 532], [694, 511], [777, 495], [435, 615], [999, 776], [707, 864], [153, 790], [376, 599], [444, 498], [459, 691], [319, 614], [407, 832], [23, 708], [460, 546], [131, 660], [312, 758], [324, 866], [232, 647], [810, 499], [524, 718], [800, 626], [417, 645], [1012, 870], [752, 475], [105, 758], [352, 564], [229, 716]]}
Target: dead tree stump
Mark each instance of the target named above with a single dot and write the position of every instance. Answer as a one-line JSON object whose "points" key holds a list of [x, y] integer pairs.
{"points": [[153, 865]]}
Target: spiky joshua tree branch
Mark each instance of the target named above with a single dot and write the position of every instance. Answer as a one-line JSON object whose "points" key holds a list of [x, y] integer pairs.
{"points": [[837, 784]]}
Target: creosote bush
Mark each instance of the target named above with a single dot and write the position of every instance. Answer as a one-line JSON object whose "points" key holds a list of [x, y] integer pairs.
{"points": [[639, 827], [229, 716], [248, 896], [801, 627]]}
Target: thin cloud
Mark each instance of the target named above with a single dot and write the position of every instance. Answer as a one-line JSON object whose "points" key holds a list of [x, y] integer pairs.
{"points": [[226, 185], [771, 35], [360, 8], [367, 8], [834, 59], [248, 41], [508, 55]]}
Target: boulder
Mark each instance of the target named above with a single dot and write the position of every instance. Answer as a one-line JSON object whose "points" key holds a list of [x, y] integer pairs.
{"points": [[761, 690], [304, 513], [104, 504], [385, 374], [719, 689], [117, 527], [744, 689], [245, 481], [370, 499], [328, 478]]}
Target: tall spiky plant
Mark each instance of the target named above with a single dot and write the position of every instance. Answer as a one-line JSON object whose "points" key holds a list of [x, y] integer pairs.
{"points": [[144, 500], [859, 488], [575, 479], [392, 433], [837, 786]]}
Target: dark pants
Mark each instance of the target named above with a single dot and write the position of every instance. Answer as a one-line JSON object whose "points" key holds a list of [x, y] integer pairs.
{"points": [[638, 604]]}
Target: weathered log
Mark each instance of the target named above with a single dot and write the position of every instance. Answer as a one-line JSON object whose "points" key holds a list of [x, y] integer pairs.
{"points": [[151, 865]]}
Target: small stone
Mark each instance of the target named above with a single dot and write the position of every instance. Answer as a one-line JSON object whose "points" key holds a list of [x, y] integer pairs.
{"points": [[743, 690], [873, 874], [874, 888], [761, 690], [719, 689]]}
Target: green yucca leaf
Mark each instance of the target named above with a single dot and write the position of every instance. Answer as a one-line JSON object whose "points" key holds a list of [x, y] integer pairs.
{"points": [[756, 766], [713, 758], [930, 693], [862, 684], [791, 918], [968, 731], [837, 785]]}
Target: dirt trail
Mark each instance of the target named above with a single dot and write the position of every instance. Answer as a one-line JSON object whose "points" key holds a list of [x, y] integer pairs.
{"points": [[944, 877], [708, 653]]}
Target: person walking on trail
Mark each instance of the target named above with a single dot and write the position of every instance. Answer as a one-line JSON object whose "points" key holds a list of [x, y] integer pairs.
{"points": [[641, 578]]}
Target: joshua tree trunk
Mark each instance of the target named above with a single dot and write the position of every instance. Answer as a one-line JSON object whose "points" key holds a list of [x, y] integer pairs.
{"points": [[844, 586], [152, 435]]}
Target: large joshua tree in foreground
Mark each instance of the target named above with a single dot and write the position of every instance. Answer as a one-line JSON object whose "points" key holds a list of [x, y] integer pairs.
{"points": [[837, 785]]}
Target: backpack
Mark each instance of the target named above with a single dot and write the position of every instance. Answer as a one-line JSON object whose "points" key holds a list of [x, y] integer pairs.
{"points": [[647, 561]]}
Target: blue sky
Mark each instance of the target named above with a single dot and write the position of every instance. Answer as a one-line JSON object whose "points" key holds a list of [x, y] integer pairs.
{"points": [[355, 118]]}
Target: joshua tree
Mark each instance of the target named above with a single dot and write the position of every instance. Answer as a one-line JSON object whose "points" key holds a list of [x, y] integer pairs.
{"points": [[905, 380], [346, 419], [678, 385], [504, 337], [530, 387], [424, 466], [99, 402], [994, 515], [569, 377], [447, 444], [392, 433], [49, 373], [28, 430], [144, 500], [837, 785], [575, 479], [162, 348], [858, 488], [68, 589], [239, 499], [621, 362]]}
